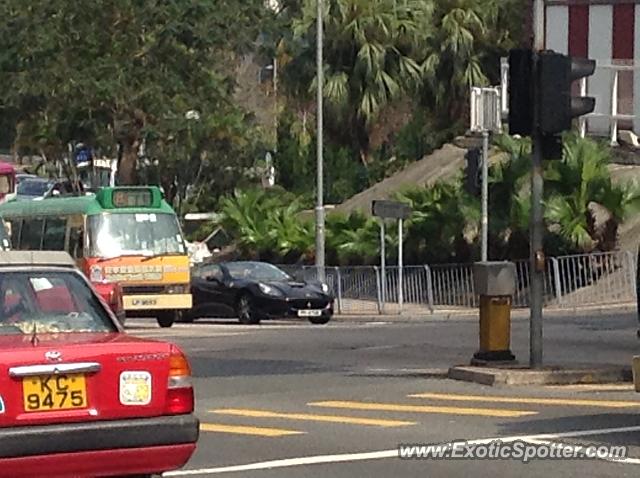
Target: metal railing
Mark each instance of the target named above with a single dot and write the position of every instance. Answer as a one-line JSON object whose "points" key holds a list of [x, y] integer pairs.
{"points": [[569, 282], [613, 85]]}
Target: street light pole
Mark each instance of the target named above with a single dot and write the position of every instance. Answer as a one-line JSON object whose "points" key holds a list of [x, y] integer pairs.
{"points": [[537, 211], [320, 262], [484, 255]]}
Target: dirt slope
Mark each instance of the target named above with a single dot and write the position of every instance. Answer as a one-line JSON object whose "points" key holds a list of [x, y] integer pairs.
{"points": [[443, 163]]}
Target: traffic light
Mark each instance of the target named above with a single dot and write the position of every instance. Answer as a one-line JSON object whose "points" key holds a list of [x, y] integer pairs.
{"points": [[472, 172], [521, 92], [556, 73]]}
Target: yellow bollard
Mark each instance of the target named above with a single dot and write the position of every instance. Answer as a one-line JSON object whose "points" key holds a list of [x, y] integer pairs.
{"points": [[494, 282]]}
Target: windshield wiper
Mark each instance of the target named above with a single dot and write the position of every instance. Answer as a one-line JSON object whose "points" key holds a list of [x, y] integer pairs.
{"points": [[148, 258], [102, 259]]}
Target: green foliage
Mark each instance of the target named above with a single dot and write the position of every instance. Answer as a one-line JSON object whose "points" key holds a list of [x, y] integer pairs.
{"points": [[265, 225], [510, 200], [374, 50], [126, 73], [436, 230], [295, 164], [580, 190], [397, 73], [352, 239], [468, 37]]}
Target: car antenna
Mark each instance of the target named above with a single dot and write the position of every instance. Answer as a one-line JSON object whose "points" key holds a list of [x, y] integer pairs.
{"points": [[34, 335]]}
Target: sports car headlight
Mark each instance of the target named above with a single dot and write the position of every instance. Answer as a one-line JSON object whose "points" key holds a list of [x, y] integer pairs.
{"points": [[269, 290], [325, 288]]}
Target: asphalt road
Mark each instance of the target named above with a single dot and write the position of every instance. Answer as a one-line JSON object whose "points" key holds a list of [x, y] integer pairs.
{"points": [[288, 399]]}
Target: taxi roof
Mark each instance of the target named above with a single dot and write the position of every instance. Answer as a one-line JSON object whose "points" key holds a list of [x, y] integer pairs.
{"points": [[36, 258]]}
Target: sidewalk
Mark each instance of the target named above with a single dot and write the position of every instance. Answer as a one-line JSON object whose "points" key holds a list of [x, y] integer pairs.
{"points": [[472, 313]]}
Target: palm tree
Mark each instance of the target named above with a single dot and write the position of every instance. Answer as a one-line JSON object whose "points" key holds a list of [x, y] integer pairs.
{"points": [[243, 218], [293, 238], [374, 51], [352, 239], [580, 193], [443, 223], [469, 37]]}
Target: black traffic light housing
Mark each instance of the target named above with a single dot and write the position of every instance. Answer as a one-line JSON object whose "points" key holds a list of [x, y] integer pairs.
{"points": [[558, 108], [472, 171], [521, 92], [550, 90]]}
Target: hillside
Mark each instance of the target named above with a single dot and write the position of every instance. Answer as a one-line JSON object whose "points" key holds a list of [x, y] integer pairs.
{"points": [[446, 162], [443, 163]]}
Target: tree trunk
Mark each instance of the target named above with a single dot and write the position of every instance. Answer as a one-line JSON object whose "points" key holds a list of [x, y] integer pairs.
{"points": [[127, 167]]}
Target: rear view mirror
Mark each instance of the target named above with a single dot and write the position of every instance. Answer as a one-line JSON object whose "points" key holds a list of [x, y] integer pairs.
{"points": [[213, 279]]}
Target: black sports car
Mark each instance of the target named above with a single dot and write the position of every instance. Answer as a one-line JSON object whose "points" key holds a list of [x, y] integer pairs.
{"points": [[253, 291]]}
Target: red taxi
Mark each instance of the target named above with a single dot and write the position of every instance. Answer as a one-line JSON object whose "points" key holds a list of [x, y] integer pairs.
{"points": [[78, 396]]}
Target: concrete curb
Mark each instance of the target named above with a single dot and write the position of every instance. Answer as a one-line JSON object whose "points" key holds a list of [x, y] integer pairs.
{"points": [[550, 376], [440, 373], [473, 314]]}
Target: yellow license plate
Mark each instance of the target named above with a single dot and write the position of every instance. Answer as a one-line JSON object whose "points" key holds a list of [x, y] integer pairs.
{"points": [[54, 392]]}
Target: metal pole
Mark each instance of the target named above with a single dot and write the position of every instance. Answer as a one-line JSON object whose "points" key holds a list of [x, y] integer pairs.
{"points": [[537, 212], [319, 140], [485, 196], [400, 285], [383, 262], [275, 104]]}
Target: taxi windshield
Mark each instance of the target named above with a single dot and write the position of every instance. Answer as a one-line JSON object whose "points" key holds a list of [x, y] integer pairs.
{"points": [[49, 302], [148, 234]]}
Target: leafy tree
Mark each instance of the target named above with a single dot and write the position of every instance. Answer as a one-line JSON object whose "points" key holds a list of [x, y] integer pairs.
{"points": [[110, 76]]}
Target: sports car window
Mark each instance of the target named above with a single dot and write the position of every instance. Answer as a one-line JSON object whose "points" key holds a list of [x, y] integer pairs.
{"points": [[49, 302], [210, 270], [259, 271]]}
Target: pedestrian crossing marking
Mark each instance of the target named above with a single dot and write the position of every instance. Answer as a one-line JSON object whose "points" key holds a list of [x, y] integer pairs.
{"points": [[394, 407], [244, 430], [529, 400], [312, 417]]}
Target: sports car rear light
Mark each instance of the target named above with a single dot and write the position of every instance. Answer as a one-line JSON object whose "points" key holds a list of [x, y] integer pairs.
{"points": [[179, 389]]}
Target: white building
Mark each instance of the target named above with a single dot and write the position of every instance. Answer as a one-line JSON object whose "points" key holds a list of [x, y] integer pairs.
{"points": [[607, 31]]}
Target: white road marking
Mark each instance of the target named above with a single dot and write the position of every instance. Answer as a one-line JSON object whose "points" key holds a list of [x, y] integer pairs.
{"points": [[377, 455]]}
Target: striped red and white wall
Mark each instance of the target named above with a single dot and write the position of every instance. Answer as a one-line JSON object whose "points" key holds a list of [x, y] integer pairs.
{"points": [[607, 31]]}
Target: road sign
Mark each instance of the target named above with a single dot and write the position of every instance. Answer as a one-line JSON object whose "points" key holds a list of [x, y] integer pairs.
{"points": [[390, 209], [486, 110]]}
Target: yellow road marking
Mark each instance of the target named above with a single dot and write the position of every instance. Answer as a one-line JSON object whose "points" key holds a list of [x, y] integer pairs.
{"points": [[241, 430], [531, 400], [313, 418], [593, 387], [393, 407]]}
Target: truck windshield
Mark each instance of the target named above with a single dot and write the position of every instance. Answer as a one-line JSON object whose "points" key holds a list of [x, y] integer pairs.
{"points": [[148, 234]]}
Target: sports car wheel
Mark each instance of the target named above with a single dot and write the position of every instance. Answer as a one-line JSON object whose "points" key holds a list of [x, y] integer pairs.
{"points": [[320, 320], [245, 310]]}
